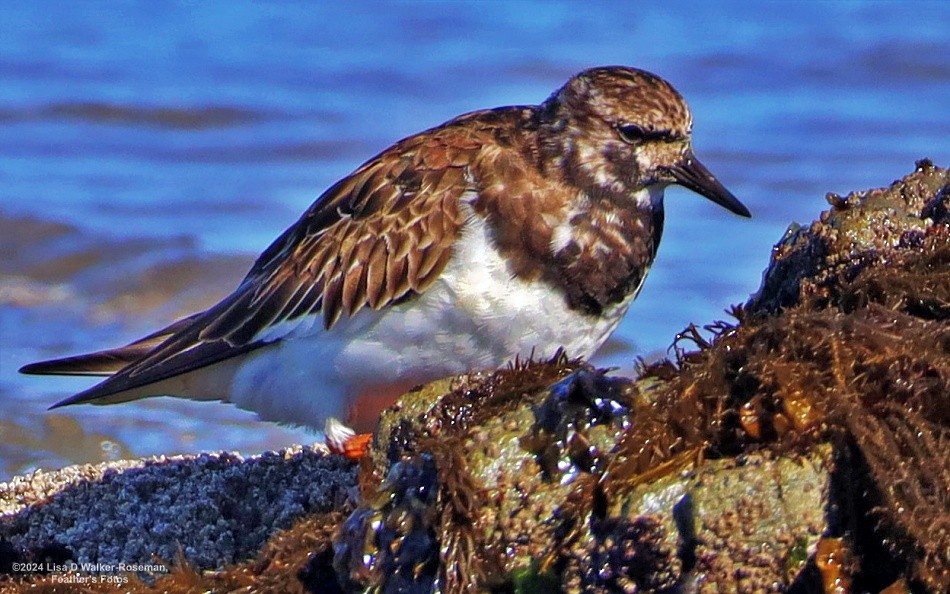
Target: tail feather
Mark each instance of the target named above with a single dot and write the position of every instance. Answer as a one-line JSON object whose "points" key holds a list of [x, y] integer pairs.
{"points": [[107, 362], [102, 363]]}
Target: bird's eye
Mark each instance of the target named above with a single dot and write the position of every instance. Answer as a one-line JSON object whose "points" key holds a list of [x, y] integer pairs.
{"points": [[630, 133], [634, 134]]}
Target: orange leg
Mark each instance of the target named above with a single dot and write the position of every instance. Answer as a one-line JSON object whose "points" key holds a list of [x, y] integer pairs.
{"points": [[344, 441], [363, 416], [356, 447]]}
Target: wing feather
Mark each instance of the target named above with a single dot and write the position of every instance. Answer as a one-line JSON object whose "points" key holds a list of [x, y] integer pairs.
{"points": [[374, 238], [376, 275]]}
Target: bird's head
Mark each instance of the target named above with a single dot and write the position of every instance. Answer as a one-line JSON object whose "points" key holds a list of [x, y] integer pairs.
{"points": [[616, 131]]}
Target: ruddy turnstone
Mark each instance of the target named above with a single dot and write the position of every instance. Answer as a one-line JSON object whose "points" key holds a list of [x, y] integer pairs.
{"points": [[502, 233]]}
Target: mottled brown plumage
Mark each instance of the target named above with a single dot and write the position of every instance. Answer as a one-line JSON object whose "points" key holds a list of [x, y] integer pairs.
{"points": [[567, 193]]}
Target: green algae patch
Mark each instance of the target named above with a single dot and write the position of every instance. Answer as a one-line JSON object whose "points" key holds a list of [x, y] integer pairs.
{"points": [[534, 580]]}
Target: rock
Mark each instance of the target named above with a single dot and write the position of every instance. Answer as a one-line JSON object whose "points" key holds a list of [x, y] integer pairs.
{"points": [[214, 509], [525, 496], [777, 431], [859, 231]]}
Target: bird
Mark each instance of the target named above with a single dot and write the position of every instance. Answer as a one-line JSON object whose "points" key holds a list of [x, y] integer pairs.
{"points": [[504, 233]]}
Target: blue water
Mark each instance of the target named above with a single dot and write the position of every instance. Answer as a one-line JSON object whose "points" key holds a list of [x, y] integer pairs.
{"points": [[140, 135]]}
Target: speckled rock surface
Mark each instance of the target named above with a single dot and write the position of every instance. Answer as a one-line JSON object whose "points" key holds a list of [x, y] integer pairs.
{"points": [[758, 518], [218, 508], [859, 230]]}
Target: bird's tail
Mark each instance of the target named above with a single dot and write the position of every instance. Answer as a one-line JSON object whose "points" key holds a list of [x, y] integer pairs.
{"points": [[107, 362], [100, 363]]}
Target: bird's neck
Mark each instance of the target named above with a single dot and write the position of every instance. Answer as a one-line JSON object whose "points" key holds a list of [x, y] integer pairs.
{"points": [[594, 249], [606, 248], [592, 243]]}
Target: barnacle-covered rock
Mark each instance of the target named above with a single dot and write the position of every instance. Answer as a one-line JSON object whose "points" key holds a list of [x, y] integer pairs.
{"points": [[552, 494], [507, 447], [732, 462], [860, 230]]}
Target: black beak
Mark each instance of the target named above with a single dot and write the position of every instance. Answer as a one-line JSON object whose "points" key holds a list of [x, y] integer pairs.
{"points": [[692, 174]]}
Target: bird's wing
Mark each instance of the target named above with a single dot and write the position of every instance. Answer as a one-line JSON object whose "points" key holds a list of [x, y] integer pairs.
{"points": [[380, 235]]}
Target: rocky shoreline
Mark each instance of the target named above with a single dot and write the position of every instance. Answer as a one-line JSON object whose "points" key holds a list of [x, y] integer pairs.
{"points": [[802, 447]]}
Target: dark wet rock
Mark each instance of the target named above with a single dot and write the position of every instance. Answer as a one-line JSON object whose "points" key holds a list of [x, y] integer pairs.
{"points": [[390, 544], [561, 436], [319, 576]]}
